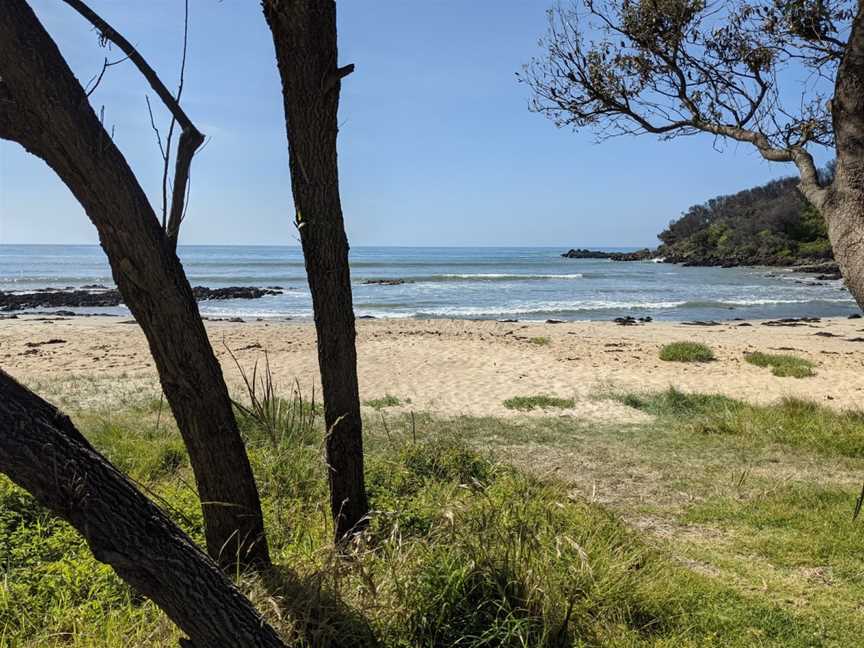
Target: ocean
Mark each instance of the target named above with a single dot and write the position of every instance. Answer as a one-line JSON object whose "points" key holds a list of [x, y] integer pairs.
{"points": [[459, 283]]}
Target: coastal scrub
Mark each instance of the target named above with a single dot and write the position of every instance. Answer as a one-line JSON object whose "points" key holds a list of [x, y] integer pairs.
{"points": [[783, 365], [686, 352]]}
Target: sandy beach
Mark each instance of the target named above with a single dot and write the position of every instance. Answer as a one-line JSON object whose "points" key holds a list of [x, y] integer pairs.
{"points": [[453, 367]]}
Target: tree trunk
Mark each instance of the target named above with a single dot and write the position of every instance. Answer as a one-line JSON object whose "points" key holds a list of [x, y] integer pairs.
{"points": [[844, 205], [304, 34], [41, 451], [44, 108]]}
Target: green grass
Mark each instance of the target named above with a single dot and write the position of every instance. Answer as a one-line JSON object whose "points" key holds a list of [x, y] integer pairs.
{"points": [[465, 550], [540, 341], [385, 401], [527, 403], [686, 352], [783, 365], [791, 421]]}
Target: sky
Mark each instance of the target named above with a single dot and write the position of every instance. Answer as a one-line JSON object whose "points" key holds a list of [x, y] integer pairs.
{"points": [[436, 145]]}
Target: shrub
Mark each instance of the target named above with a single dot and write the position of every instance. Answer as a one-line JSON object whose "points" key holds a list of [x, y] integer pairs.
{"points": [[686, 352], [782, 365]]}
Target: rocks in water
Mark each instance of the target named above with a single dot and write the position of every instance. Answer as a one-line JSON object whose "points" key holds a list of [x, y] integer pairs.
{"points": [[554, 321], [385, 282], [639, 255], [58, 298], [702, 323], [829, 277], [507, 321], [366, 317], [232, 292], [855, 316], [582, 253], [96, 296], [826, 268]]}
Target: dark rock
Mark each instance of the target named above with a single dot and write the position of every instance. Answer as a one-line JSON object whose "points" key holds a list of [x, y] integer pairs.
{"points": [[554, 321], [855, 316], [639, 255], [826, 334], [94, 287], [829, 277], [828, 267], [385, 282], [366, 317], [203, 293], [745, 324], [582, 253], [507, 321], [75, 298], [791, 321], [702, 323], [626, 321]]}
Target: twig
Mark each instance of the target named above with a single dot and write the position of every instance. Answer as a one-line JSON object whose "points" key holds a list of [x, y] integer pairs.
{"points": [[190, 138]]}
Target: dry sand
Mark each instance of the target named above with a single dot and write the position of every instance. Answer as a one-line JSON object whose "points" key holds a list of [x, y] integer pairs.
{"points": [[454, 367]]}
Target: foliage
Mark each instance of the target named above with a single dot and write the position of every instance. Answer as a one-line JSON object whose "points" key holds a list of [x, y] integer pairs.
{"points": [[686, 352], [781, 364], [767, 225], [679, 67], [527, 403], [540, 341]]}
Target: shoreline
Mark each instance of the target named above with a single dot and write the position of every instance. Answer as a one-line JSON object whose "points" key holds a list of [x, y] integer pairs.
{"points": [[457, 367]]}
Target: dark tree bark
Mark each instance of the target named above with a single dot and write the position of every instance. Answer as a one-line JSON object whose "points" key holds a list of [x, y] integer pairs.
{"points": [[44, 108], [843, 206], [43, 452], [304, 34]]}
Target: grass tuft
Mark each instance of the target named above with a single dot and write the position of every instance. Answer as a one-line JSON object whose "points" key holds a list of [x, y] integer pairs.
{"points": [[540, 341], [781, 364], [791, 421], [686, 352], [527, 403], [386, 401]]}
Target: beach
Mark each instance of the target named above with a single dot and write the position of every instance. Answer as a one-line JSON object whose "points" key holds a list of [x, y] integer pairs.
{"points": [[455, 367]]}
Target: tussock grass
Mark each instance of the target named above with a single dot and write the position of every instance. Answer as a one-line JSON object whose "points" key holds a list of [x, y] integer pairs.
{"points": [[460, 551], [540, 341], [791, 421], [686, 352], [387, 400], [540, 401], [781, 364]]}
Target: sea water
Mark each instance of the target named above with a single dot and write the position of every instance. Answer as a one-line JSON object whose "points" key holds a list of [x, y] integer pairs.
{"points": [[459, 283]]}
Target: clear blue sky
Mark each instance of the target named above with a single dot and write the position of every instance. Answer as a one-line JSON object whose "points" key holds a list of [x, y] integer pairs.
{"points": [[437, 146]]}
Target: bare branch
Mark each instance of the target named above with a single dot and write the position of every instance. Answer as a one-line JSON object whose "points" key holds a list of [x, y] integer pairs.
{"points": [[190, 137]]}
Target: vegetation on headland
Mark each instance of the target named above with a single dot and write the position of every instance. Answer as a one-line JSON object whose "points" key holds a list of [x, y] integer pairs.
{"points": [[465, 549], [772, 225]]}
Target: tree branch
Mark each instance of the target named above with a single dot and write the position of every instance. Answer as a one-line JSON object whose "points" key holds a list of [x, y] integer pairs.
{"points": [[190, 138]]}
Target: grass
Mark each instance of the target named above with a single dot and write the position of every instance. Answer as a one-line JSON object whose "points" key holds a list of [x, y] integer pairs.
{"points": [[464, 550], [781, 364], [528, 403], [686, 352], [791, 421], [540, 341], [385, 401]]}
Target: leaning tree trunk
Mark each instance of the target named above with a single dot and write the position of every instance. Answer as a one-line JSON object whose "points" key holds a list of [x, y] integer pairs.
{"points": [[844, 204], [44, 108], [41, 451], [304, 33]]}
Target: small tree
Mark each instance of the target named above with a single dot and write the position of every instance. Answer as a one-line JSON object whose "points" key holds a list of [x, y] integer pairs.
{"points": [[681, 67], [304, 35]]}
